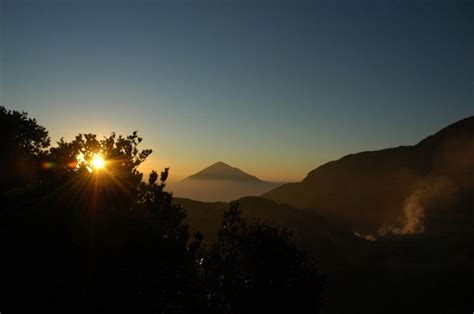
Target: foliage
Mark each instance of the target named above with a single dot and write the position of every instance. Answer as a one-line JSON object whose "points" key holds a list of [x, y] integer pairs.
{"points": [[22, 142], [255, 267], [21, 133], [116, 188]]}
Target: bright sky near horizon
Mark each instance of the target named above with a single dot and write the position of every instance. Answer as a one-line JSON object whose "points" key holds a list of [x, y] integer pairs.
{"points": [[272, 87]]}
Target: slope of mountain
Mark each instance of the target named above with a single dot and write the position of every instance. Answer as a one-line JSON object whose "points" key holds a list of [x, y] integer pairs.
{"points": [[220, 182], [392, 190], [222, 171]]}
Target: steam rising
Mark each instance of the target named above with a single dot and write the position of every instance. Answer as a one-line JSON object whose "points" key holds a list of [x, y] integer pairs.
{"points": [[430, 192]]}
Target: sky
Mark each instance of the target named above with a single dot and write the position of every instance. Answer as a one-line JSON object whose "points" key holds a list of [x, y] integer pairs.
{"points": [[275, 88]]}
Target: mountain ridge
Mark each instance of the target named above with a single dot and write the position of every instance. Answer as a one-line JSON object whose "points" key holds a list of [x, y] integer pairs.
{"points": [[380, 190]]}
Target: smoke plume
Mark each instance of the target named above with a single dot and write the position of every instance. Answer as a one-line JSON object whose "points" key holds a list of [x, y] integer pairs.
{"points": [[430, 192]]}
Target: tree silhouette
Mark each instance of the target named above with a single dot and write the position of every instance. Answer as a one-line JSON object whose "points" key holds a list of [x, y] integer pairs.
{"points": [[255, 268], [149, 252], [115, 188], [121, 242], [22, 143]]}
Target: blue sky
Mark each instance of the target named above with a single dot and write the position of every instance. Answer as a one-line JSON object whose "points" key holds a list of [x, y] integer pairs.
{"points": [[273, 87]]}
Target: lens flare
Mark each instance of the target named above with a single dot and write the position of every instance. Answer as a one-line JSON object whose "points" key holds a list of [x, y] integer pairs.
{"points": [[98, 162]]}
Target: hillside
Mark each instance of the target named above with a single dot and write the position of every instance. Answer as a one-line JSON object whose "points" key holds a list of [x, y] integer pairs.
{"points": [[392, 190]]}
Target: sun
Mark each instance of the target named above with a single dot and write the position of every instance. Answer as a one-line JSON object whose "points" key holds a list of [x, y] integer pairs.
{"points": [[98, 162]]}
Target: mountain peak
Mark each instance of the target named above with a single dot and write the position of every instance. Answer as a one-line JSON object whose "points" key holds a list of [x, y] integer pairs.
{"points": [[220, 164], [222, 171]]}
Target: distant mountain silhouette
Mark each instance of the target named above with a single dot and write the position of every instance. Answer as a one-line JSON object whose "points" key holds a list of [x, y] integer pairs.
{"points": [[220, 182], [222, 171], [395, 190]]}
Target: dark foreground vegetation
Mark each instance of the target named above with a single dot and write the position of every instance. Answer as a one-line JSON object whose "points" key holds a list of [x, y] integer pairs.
{"points": [[75, 239], [78, 239]]}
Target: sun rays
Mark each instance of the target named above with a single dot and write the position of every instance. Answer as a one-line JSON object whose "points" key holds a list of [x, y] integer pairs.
{"points": [[94, 163], [98, 162]]}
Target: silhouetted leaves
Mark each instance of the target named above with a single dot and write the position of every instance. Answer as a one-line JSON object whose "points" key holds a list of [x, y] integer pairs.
{"points": [[22, 143], [255, 268]]}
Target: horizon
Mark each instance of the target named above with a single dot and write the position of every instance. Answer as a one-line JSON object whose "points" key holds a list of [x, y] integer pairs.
{"points": [[273, 88], [237, 156], [150, 164]]}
